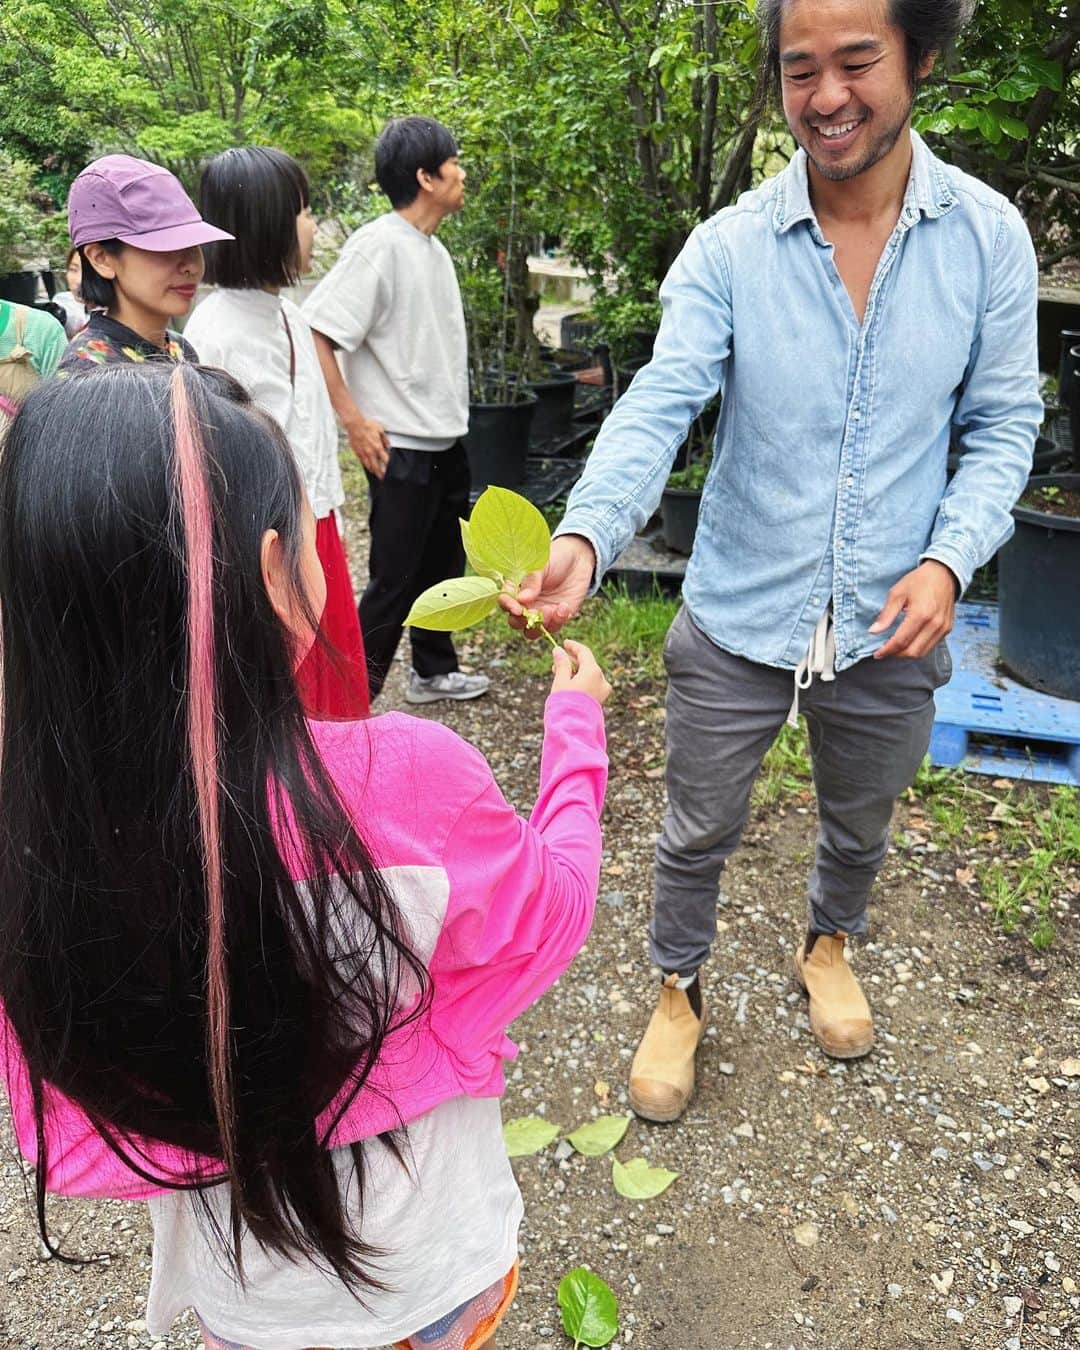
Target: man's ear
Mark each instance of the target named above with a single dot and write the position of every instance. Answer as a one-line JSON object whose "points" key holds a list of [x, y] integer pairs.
{"points": [[926, 65], [423, 178], [275, 575]]}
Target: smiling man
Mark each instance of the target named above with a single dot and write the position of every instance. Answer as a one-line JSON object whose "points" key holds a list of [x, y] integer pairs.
{"points": [[856, 312]]}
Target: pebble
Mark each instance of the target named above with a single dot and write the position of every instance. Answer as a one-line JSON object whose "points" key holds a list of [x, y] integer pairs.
{"points": [[743, 1131], [944, 1122], [943, 1282], [726, 1068], [1013, 1306], [805, 1234], [955, 1315], [894, 1290]]}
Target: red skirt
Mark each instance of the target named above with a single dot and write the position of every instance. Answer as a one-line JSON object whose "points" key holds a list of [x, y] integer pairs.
{"points": [[333, 684]]}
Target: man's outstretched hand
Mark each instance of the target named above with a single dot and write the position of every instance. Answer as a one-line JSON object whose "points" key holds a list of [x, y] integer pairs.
{"points": [[927, 599], [559, 590]]}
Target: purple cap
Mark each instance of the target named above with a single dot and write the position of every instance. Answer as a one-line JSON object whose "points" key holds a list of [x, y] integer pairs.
{"points": [[119, 197]]}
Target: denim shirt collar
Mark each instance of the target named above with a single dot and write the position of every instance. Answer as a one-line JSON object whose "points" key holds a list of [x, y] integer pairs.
{"points": [[928, 190]]}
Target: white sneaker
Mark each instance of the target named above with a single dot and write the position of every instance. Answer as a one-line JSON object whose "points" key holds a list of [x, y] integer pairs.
{"points": [[456, 685]]}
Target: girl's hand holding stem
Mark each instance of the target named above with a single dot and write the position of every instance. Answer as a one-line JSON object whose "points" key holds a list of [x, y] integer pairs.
{"points": [[587, 678]]}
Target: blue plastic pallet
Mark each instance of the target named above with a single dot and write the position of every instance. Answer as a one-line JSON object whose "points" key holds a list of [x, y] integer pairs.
{"points": [[989, 723]]}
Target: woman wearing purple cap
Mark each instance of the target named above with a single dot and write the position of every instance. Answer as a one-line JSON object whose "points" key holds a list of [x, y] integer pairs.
{"points": [[138, 235]]}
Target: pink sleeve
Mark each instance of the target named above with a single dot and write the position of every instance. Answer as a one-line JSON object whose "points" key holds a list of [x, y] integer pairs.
{"points": [[522, 893]]}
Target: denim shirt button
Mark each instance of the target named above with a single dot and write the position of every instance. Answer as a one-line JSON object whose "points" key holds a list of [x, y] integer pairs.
{"points": [[855, 414]]}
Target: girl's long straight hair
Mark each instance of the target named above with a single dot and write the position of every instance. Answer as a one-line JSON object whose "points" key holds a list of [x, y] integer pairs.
{"points": [[159, 791]]}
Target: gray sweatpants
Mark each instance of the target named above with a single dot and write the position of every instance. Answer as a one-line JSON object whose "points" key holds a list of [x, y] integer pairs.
{"points": [[869, 729]]}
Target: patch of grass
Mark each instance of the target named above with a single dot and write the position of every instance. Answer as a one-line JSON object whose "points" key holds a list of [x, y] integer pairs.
{"points": [[1032, 832], [625, 634], [786, 768]]}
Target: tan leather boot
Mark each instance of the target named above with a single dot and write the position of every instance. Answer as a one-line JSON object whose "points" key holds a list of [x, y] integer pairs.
{"points": [[839, 1013], [662, 1074]]}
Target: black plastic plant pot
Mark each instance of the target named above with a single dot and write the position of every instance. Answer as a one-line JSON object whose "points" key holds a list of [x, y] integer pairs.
{"points": [[19, 287], [679, 509], [1038, 586], [497, 442], [554, 404], [625, 372], [1067, 366]]}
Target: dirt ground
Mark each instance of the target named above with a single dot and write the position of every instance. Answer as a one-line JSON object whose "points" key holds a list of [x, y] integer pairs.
{"points": [[926, 1196]]}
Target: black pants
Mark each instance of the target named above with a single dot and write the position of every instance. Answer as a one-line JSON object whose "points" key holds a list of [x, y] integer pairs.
{"points": [[415, 543]]}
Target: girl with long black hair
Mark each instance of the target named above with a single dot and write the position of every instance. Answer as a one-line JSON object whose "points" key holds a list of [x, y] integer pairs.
{"points": [[254, 969]]}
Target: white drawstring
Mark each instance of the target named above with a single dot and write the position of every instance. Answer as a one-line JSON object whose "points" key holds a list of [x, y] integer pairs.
{"points": [[820, 660]]}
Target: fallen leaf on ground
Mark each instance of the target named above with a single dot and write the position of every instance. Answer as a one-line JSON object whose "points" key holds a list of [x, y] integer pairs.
{"points": [[527, 1135]]}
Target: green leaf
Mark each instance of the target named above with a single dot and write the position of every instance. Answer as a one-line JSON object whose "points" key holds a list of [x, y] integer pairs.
{"points": [[527, 1135], [1017, 90], [638, 1181], [600, 1136], [1048, 73], [989, 125], [457, 603], [1012, 126], [590, 1311], [509, 535], [473, 559]]}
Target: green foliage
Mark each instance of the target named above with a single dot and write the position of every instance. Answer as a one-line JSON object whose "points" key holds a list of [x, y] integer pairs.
{"points": [[177, 80], [1005, 108], [29, 233], [505, 539], [692, 478], [590, 1311]]}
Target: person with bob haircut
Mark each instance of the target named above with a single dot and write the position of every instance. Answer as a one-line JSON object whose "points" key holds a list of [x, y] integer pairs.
{"points": [[257, 969], [260, 197], [139, 241], [893, 298], [70, 301], [390, 311]]}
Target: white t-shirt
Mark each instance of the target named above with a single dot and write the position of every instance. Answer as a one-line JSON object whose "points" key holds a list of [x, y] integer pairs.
{"points": [[244, 332], [449, 1226], [391, 303]]}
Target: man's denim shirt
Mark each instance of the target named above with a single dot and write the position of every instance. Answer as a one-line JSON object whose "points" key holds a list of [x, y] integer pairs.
{"points": [[828, 479]]}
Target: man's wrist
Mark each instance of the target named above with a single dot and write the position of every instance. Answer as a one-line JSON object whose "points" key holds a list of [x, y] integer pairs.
{"points": [[935, 562]]}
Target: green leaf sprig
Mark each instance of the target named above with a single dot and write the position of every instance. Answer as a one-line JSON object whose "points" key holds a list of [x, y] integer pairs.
{"points": [[505, 539]]}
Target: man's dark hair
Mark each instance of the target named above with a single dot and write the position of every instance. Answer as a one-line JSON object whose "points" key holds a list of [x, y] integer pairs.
{"points": [[98, 292], [406, 145], [255, 193], [928, 26]]}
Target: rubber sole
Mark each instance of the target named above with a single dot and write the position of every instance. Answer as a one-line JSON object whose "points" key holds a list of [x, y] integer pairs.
{"points": [[416, 699], [666, 1117]]}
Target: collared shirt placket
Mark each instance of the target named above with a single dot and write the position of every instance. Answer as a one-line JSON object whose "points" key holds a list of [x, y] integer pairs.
{"points": [[852, 471]]}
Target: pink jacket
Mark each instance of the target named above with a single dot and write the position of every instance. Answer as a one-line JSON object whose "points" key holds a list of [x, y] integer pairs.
{"points": [[498, 906]]}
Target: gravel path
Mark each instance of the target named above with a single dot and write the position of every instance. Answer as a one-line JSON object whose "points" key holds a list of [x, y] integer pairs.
{"points": [[927, 1196]]}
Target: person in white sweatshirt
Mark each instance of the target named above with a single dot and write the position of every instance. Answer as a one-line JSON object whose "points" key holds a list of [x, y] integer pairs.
{"points": [[391, 308], [261, 338]]}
